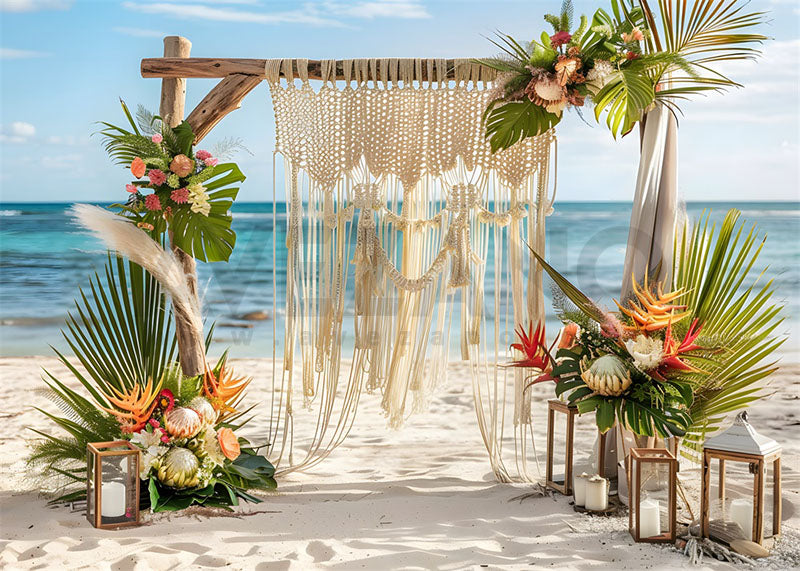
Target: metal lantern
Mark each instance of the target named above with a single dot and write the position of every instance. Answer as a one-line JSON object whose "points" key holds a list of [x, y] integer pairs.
{"points": [[563, 481], [652, 483], [742, 453], [112, 484]]}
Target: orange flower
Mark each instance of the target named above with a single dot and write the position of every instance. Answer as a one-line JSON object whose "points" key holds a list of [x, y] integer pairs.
{"points": [[228, 443], [138, 167], [223, 389], [567, 338], [181, 165], [654, 310], [134, 406]]}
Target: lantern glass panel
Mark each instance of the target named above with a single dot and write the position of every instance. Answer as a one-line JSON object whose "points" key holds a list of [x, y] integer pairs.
{"points": [[732, 491], [652, 495], [113, 484]]}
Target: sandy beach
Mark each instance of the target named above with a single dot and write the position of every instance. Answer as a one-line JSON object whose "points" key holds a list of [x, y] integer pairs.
{"points": [[421, 497]]}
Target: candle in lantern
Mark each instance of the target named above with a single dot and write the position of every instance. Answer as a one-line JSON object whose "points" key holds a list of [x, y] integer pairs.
{"points": [[741, 512], [596, 493], [649, 518], [113, 499], [579, 487]]}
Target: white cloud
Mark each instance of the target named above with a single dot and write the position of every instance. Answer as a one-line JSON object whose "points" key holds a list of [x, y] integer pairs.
{"points": [[12, 53], [17, 132], [307, 15], [400, 9], [33, 5], [139, 32], [311, 13]]}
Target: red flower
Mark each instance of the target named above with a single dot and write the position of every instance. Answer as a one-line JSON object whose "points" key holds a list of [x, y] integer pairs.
{"points": [[673, 351], [532, 344], [631, 56], [166, 400], [560, 38]]}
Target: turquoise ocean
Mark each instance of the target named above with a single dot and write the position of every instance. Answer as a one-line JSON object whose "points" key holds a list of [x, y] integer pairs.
{"points": [[45, 258]]}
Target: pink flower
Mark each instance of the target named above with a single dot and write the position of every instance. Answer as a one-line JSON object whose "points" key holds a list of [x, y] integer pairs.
{"points": [[636, 35], [157, 177], [202, 155], [164, 438], [210, 162], [157, 138], [151, 202], [131, 188], [154, 423], [560, 38], [179, 195]]}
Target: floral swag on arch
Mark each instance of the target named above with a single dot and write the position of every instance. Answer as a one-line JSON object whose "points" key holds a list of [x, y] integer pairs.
{"points": [[403, 166]]}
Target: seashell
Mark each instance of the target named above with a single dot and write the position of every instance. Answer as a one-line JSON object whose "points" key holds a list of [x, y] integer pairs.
{"points": [[182, 422], [549, 90], [607, 376], [207, 412], [178, 469]]}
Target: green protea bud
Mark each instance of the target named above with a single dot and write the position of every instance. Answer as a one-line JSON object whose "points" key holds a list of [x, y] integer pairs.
{"points": [[606, 375], [178, 469]]}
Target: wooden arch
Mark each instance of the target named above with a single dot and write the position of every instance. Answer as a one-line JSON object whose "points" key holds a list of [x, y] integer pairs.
{"points": [[239, 77]]}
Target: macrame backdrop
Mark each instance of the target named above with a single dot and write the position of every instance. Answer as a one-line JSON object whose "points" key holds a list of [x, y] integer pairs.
{"points": [[392, 190]]}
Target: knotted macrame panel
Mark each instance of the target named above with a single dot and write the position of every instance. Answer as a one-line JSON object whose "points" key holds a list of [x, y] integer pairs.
{"points": [[394, 203]]}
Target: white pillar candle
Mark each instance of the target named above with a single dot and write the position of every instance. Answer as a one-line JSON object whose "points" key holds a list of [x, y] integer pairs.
{"points": [[112, 499], [741, 512], [649, 518], [579, 488], [596, 493]]}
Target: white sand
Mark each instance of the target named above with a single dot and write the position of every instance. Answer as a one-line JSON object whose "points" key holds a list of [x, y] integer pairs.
{"points": [[423, 497]]}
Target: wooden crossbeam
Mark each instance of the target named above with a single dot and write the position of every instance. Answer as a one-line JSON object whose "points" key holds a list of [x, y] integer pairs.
{"points": [[220, 67]]}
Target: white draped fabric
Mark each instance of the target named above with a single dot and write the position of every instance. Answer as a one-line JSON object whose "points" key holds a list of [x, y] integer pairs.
{"points": [[393, 192]]}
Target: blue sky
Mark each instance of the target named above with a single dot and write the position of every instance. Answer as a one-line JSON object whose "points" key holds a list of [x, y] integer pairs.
{"points": [[63, 64]]}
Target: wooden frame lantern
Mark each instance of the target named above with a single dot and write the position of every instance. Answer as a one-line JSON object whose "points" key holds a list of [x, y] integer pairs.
{"points": [[741, 451], [652, 494], [112, 484], [555, 481]]}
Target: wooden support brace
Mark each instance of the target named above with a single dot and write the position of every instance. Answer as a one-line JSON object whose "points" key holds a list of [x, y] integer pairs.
{"points": [[225, 97]]}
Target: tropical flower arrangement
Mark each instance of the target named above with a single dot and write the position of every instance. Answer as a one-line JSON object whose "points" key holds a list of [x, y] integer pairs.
{"points": [[134, 389], [622, 63], [666, 363], [124, 337], [176, 187]]}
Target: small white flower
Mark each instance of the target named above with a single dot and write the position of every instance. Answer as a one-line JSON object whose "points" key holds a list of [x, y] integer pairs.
{"points": [[647, 352], [145, 440], [198, 198], [149, 456]]}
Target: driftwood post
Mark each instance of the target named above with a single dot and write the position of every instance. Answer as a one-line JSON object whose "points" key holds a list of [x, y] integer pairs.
{"points": [[191, 345]]}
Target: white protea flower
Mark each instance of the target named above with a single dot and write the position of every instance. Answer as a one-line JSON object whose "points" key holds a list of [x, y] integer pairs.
{"points": [[600, 75], [212, 448], [208, 414], [647, 352]]}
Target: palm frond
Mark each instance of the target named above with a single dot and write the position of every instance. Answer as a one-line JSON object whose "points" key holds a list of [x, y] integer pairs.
{"points": [[715, 267]]}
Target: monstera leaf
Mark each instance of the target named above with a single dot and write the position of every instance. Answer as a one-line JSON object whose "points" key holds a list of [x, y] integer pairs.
{"points": [[624, 99], [210, 238], [508, 123]]}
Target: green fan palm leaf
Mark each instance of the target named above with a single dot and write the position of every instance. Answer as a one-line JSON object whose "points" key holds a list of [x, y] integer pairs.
{"points": [[121, 335], [714, 265]]}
